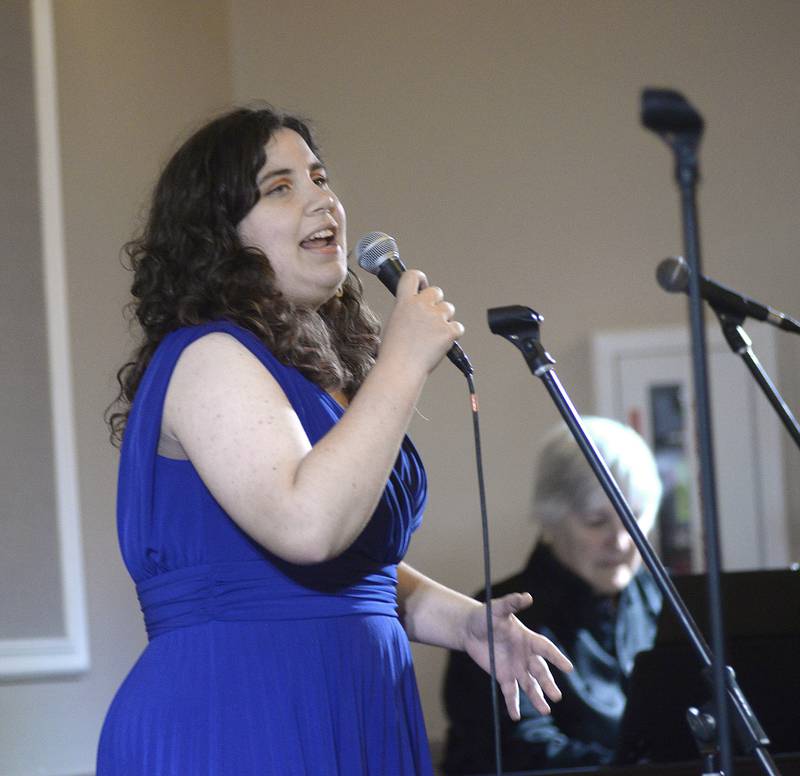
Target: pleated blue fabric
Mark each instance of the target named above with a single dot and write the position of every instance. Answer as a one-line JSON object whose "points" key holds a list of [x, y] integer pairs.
{"points": [[256, 666]]}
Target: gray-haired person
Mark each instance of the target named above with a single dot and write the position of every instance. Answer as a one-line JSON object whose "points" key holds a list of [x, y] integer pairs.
{"points": [[591, 597]]}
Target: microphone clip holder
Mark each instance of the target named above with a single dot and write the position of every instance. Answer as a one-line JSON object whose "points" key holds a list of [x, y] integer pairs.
{"points": [[669, 114], [521, 327]]}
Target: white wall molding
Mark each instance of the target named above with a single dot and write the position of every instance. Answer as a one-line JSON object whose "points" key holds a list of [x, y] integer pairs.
{"points": [[38, 657]]}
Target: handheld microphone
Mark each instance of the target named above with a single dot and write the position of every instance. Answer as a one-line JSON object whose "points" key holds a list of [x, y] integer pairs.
{"points": [[673, 276], [377, 253]]}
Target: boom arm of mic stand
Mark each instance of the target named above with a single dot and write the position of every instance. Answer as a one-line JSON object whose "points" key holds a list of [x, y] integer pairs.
{"points": [[521, 326], [741, 344]]}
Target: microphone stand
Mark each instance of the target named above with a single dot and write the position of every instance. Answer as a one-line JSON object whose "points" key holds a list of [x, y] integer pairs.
{"points": [[521, 326], [741, 344], [669, 114]]}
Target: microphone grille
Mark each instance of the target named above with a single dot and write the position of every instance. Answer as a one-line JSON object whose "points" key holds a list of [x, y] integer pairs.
{"points": [[373, 249], [672, 274]]}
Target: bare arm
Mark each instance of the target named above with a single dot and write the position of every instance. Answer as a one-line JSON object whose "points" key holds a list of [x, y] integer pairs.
{"points": [[305, 504], [435, 614], [432, 613]]}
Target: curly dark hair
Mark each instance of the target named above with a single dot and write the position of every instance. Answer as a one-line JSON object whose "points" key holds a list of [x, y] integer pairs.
{"points": [[190, 265]]}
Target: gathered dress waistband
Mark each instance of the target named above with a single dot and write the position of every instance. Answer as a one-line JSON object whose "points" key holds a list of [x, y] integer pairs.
{"points": [[259, 590]]}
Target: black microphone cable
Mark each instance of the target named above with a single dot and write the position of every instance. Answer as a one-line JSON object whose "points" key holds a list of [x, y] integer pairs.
{"points": [[377, 253], [487, 575]]}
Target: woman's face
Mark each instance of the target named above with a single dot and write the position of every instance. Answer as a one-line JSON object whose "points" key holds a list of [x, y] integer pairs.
{"points": [[596, 547], [298, 222]]}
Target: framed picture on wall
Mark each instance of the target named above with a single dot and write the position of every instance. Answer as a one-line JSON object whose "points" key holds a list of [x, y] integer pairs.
{"points": [[644, 378]]}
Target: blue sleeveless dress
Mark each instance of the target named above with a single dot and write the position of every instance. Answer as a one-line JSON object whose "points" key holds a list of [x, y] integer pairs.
{"points": [[256, 666]]}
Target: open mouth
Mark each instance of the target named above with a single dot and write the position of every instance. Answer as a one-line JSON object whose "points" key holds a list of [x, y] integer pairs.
{"points": [[322, 238]]}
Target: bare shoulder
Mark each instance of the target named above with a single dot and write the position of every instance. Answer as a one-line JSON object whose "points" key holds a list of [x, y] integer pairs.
{"points": [[216, 377], [216, 350]]}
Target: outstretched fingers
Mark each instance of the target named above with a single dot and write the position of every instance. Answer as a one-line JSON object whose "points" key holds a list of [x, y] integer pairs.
{"points": [[523, 656], [533, 689], [550, 652], [539, 671], [510, 690]]}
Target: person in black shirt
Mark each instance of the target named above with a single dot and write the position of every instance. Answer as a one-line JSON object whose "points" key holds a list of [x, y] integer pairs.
{"points": [[591, 598]]}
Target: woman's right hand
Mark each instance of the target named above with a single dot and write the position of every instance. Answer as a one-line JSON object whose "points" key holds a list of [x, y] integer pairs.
{"points": [[420, 329], [304, 503]]}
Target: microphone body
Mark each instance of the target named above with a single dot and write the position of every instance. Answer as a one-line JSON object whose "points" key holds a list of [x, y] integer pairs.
{"points": [[673, 276], [377, 253]]}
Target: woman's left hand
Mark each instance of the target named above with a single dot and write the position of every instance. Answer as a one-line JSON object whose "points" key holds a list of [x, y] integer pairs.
{"points": [[520, 654]]}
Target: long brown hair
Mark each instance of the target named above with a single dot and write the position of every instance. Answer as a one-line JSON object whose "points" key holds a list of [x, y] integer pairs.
{"points": [[189, 265]]}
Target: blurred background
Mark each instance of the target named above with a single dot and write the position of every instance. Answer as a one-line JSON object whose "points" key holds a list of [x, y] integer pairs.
{"points": [[499, 142]]}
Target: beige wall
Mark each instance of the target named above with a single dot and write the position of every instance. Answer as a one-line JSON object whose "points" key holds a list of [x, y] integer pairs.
{"points": [[500, 142]]}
